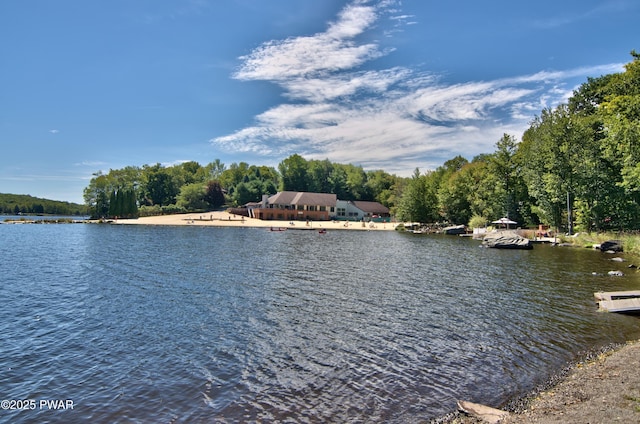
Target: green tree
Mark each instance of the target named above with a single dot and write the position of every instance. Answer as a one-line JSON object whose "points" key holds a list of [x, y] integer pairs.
{"points": [[552, 148], [113, 204], [319, 174], [483, 199], [245, 193], [189, 172], [357, 183], [192, 197], [418, 199], [233, 176], [215, 169], [511, 190], [382, 185], [453, 197], [338, 183], [96, 195], [131, 204], [293, 171], [621, 115], [586, 154], [122, 204], [159, 187]]}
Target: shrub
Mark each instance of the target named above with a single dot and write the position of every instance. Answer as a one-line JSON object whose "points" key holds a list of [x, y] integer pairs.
{"points": [[477, 221]]}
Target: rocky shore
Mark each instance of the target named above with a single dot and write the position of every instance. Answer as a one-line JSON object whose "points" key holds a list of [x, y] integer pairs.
{"points": [[602, 388]]}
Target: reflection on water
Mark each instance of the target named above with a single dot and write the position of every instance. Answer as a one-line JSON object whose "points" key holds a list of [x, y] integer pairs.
{"points": [[161, 324]]}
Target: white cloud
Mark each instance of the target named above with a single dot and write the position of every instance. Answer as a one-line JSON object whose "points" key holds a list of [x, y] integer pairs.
{"points": [[343, 85], [54, 131], [396, 119], [329, 51]]}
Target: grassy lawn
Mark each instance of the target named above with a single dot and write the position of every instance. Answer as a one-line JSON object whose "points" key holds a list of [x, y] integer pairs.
{"points": [[630, 242]]}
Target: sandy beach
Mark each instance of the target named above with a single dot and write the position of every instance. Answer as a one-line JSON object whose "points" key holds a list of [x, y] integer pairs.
{"points": [[224, 219]]}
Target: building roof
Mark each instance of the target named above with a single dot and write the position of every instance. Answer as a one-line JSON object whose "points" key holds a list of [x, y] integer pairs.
{"points": [[370, 207], [302, 198]]}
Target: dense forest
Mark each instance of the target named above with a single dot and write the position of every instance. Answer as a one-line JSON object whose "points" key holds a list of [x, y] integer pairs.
{"points": [[577, 167], [14, 204]]}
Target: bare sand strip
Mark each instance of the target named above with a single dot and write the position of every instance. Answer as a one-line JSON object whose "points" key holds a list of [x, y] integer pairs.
{"points": [[225, 219]]}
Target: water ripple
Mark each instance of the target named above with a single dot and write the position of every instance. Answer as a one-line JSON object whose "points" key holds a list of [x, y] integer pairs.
{"points": [[161, 324]]}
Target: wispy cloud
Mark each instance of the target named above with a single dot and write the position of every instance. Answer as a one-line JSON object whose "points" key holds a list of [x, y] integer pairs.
{"points": [[89, 163], [44, 177], [319, 54], [395, 119], [598, 12], [175, 162]]}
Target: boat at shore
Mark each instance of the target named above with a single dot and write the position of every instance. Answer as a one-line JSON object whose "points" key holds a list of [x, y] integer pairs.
{"points": [[506, 240], [454, 230]]}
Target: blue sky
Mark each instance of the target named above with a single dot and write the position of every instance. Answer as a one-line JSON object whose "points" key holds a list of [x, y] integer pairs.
{"points": [[394, 85]]}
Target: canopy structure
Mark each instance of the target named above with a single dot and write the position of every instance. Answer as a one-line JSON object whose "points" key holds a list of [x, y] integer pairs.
{"points": [[504, 221]]}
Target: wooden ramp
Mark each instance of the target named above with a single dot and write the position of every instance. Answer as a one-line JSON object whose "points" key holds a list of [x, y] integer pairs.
{"points": [[621, 301]]}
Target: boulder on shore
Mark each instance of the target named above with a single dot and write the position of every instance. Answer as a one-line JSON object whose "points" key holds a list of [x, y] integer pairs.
{"points": [[611, 246], [506, 240]]}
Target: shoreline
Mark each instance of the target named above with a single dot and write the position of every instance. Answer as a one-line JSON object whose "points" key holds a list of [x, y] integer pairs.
{"points": [[225, 219], [602, 386]]}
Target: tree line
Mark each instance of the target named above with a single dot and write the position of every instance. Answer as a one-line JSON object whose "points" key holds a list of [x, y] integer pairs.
{"points": [[189, 186], [15, 204], [577, 167]]}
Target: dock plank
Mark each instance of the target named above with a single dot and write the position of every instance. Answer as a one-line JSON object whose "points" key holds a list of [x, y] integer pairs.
{"points": [[629, 294], [620, 305]]}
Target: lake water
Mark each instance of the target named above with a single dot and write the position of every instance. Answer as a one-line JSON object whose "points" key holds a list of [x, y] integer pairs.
{"points": [[187, 324]]}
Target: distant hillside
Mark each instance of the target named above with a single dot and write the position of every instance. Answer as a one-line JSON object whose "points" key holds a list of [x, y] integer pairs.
{"points": [[25, 204]]}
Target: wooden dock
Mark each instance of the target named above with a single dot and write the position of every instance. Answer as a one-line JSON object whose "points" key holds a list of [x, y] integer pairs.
{"points": [[620, 301]]}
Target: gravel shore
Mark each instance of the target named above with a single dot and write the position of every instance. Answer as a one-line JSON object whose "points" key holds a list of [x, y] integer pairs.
{"points": [[603, 388]]}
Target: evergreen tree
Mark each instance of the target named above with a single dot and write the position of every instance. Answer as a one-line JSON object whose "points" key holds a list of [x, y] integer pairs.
{"points": [[214, 195], [113, 204]]}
